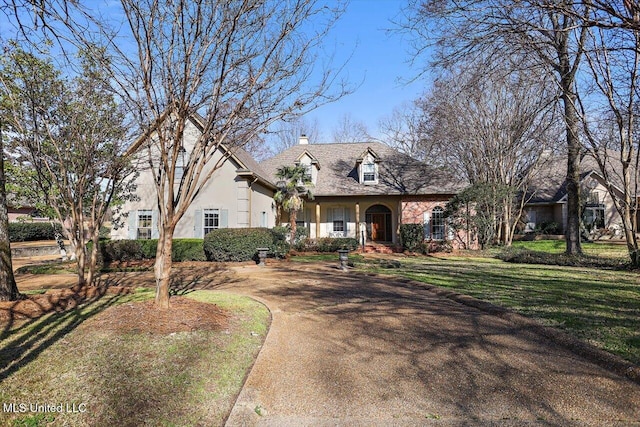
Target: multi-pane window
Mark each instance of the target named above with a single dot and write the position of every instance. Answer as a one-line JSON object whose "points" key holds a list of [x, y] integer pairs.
{"points": [[211, 220], [368, 172], [338, 225], [437, 223], [145, 222]]}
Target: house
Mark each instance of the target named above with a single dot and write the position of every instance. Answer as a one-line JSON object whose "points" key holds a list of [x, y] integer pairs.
{"points": [[546, 206], [238, 195], [366, 190], [362, 190]]}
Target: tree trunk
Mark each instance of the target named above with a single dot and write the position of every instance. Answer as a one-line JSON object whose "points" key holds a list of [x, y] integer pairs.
{"points": [[93, 259], [162, 268], [8, 287], [572, 232], [293, 216]]}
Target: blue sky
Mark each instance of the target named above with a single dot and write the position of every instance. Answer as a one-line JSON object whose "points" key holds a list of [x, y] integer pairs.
{"points": [[379, 61]]}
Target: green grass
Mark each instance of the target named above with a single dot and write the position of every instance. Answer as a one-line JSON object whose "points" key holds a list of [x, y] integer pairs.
{"points": [[185, 378], [597, 249], [601, 307]]}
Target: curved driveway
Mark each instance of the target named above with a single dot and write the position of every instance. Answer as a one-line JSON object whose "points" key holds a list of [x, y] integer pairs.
{"points": [[353, 350]]}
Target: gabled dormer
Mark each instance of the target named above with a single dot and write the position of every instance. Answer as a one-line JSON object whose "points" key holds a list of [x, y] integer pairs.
{"points": [[310, 163], [368, 167]]}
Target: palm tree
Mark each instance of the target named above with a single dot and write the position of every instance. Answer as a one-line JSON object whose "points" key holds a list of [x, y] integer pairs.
{"points": [[293, 188]]}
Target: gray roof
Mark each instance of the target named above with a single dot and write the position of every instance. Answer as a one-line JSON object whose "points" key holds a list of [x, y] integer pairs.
{"points": [[399, 174], [549, 184]]}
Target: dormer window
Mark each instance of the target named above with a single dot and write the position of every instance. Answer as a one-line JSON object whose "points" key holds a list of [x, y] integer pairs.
{"points": [[368, 167], [369, 173]]}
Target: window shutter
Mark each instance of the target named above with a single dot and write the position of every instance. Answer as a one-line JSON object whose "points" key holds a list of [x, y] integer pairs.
{"points": [[347, 220], [154, 224], [427, 225], [330, 218], [198, 225], [132, 221], [224, 218]]}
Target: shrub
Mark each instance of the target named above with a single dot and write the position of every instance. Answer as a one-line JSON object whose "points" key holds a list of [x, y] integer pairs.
{"points": [[188, 250], [30, 231], [279, 247], [527, 256], [236, 244], [131, 250], [329, 244], [412, 236]]}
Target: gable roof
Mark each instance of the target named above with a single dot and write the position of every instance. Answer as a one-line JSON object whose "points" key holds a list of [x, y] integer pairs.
{"points": [[247, 164], [549, 184], [399, 174]]}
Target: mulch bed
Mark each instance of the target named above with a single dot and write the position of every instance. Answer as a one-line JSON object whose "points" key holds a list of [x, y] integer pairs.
{"points": [[184, 315], [58, 300]]}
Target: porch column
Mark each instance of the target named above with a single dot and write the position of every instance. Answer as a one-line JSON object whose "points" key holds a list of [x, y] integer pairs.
{"points": [[357, 221], [317, 221]]}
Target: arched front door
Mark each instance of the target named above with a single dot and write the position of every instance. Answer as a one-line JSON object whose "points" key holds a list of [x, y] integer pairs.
{"points": [[378, 218]]}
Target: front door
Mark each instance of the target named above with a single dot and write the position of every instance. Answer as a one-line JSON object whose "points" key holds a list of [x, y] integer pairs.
{"points": [[378, 227]]}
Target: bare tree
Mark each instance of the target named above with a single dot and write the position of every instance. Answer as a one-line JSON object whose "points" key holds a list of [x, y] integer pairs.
{"points": [[492, 129], [349, 129], [287, 134], [549, 32], [238, 66], [404, 129], [612, 140]]}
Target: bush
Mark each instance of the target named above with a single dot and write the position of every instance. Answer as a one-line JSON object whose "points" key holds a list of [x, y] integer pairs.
{"points": [[131, 250], [236, 244], [280, 247], [31, 231], [527, 256], [328, 244], [412, 236], [188, 250]]}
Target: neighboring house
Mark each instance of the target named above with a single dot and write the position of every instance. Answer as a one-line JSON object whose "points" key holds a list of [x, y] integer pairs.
{"points": [[368, 190], [238, 195], [546, 207]]}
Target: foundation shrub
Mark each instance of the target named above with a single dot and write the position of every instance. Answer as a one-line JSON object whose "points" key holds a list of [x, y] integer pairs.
{"points": [[131, 250], [236, 244], [412, 236]]}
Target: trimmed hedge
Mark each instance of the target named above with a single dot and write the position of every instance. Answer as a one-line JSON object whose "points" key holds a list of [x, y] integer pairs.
{"points": [[128, 250], [236, 244], [31, 231], [329, 244], [412, 236]]}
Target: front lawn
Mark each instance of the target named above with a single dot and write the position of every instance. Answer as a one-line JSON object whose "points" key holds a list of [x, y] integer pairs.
{"points": [[80, 361]]}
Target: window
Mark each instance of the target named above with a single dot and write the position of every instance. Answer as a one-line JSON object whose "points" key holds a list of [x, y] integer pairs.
{"points": [[211, 220], [593, 198], [180, 165], [145, 222], [368, 172], [593, 217], [437, 223], [337, 219]]}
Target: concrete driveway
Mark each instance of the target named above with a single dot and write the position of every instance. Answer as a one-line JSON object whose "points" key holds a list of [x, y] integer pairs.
{"points": [[355, 350]]}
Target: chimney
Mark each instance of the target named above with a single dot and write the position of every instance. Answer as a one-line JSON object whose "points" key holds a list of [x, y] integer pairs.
{"points": [[304, 139]]}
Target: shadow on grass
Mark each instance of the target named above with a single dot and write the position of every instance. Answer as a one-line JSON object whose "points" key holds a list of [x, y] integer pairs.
{"points": [[22, 343]]}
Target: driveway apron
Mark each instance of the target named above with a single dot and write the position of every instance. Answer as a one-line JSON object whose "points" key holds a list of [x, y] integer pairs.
{"points": [[356, 350]]}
